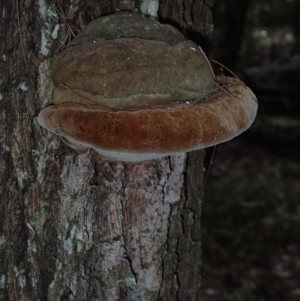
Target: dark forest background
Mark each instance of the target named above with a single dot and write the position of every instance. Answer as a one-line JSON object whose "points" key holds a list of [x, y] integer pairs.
{"points": [[251, 208]]}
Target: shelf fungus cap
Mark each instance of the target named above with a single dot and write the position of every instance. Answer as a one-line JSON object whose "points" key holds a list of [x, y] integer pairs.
{"points": [[134, 97]]}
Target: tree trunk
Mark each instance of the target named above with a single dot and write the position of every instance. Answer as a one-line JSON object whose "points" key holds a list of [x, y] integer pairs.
{"points": [[71, 227]]}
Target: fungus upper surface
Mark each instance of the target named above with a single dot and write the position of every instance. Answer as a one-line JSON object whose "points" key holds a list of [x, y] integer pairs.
{"points": [[127, 60]]}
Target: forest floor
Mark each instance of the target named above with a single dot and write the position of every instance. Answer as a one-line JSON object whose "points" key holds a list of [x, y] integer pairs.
{"points": [[251, 216]]}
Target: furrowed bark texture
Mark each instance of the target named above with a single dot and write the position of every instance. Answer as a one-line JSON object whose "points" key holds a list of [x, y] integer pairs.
{"points": [[71, 227]]}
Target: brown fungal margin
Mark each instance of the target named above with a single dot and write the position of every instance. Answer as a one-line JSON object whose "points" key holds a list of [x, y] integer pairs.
{"points": [[148, 133]]}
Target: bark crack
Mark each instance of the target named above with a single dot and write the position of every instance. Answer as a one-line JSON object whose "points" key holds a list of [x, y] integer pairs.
{"points": [[192, 12], [167, 251], [177, 268], [164, 264], [127, 256], [183, 11]]}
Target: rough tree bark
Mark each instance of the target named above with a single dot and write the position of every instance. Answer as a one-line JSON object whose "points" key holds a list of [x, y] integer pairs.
{"points": [[72, 228]]}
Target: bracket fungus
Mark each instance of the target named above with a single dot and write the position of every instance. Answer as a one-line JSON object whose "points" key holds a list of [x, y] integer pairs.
{"points": [[133, 90]]}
